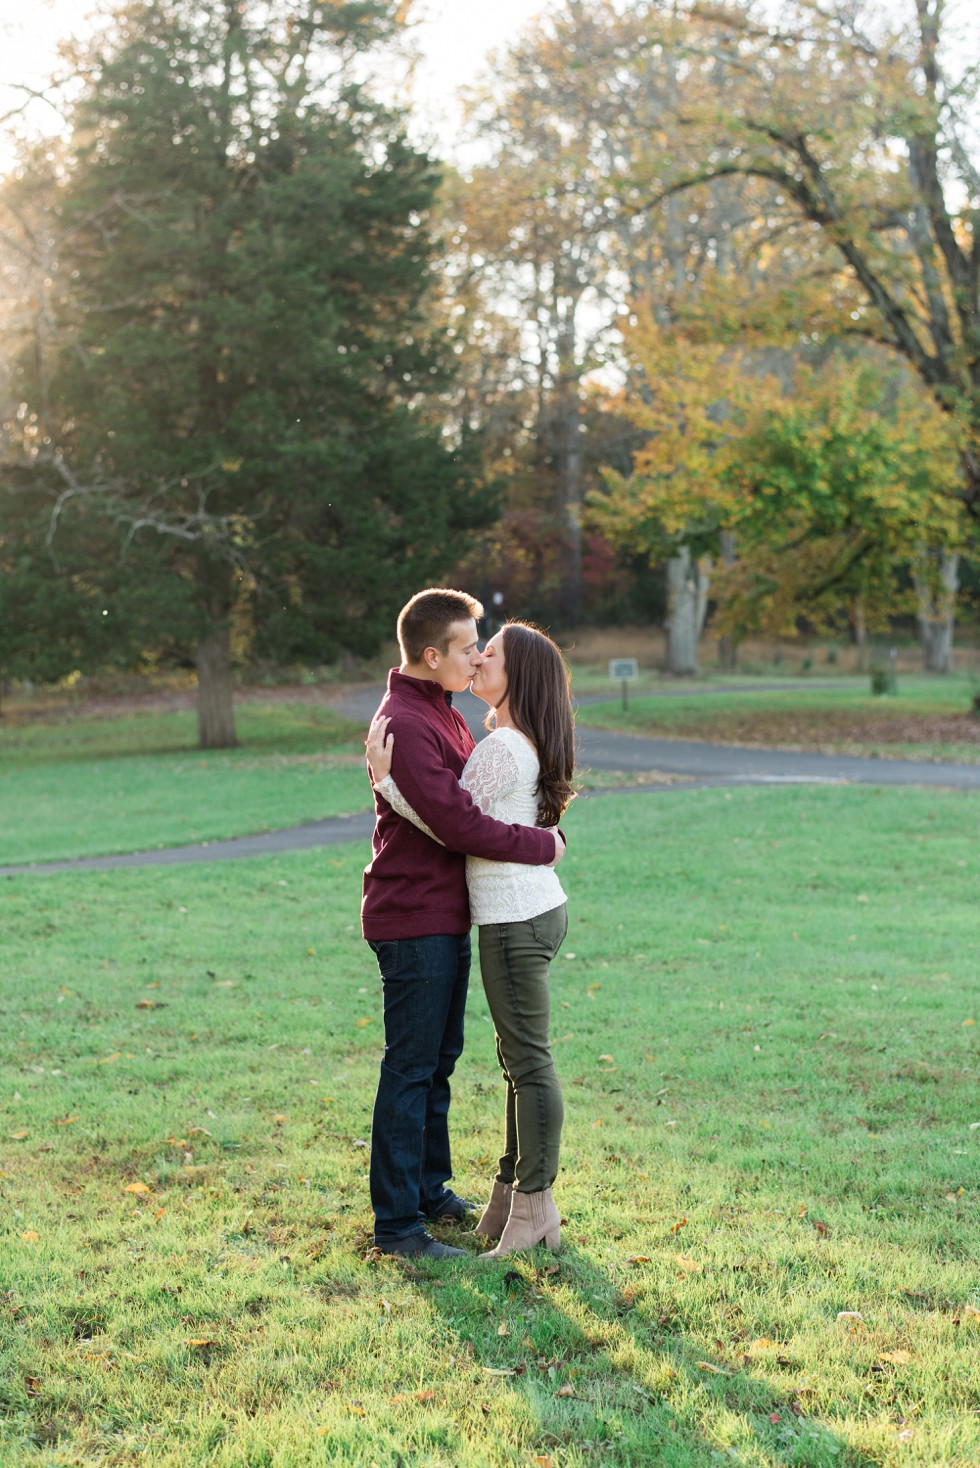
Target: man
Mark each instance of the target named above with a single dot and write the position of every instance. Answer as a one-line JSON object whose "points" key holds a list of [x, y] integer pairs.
{"points": [[415, 916]]}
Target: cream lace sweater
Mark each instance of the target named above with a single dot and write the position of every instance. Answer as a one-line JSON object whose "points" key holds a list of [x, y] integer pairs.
{"points": [[502, 777]]}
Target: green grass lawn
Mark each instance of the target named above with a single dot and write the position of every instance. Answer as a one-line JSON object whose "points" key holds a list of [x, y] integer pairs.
{"points": [[92, 786], [765, 1023], [928, 718]]}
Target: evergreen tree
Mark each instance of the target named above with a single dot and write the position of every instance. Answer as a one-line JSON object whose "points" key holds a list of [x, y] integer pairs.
{"points": [[244, 360]]}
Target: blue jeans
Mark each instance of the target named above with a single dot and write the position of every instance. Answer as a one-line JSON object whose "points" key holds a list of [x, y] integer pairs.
{"points": [[425, 982]]}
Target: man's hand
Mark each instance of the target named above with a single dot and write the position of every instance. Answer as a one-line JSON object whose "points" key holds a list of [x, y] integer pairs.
{"points": [[559, 846]]}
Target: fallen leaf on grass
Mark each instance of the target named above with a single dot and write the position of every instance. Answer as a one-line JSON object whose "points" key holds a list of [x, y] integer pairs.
{"points": [[362, 1022], [427, 1396], [896, 1358], [198, 1343], [852, 1317], [136, 1188], [640, 1259], [65, 1121], [30, 1236], [149, 1004], [33, 1386], [542, 1460], [971, 1314], [504, 1370], [715, 1370], [110, 1059], [18, 1136], [823, 1229], [774, 1417], [689, 1266], [565, 1391], [675, 1228]]}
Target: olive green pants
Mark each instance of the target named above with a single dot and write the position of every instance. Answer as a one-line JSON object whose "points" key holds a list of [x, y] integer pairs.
{"points": [[514, 959]]}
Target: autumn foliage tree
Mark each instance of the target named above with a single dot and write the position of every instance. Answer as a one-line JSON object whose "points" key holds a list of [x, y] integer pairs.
{"points": [[827, 477], [859, 121]]}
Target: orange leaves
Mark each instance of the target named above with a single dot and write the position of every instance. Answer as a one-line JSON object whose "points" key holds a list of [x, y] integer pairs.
{"points": [[33, 1386], [422, 1396], [137, 1188], [686, 1265], [675, 1228]]}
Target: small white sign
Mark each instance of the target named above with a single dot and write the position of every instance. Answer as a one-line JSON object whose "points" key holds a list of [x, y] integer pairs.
{"points": [[622, 669]]}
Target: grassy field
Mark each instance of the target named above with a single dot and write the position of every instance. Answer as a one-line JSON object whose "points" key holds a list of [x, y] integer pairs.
{"points": [[929, 718], [88, 786], [765, 1022], [75, 784]]}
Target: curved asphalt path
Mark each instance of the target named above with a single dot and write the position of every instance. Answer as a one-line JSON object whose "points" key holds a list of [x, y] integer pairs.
{"points": [[686, 762]]}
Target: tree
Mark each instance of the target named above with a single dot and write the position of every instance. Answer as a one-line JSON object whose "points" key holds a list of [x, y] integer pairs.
{"points": [[862, 129], [243, 354], [825, 475]]}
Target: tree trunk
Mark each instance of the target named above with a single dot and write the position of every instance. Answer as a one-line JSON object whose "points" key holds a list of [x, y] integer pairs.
{"points": [[859, 632], [215, 706], [937, 606], [687, 604], [728, 645]]}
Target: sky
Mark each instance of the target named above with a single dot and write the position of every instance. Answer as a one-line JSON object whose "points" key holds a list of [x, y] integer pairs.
{"points": [[455, 37]]}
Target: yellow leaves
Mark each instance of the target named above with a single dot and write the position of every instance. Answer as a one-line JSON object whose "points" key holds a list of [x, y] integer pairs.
{"points": [[896, 1358], [110, 1059], [137, 1188], [426, 1395], [18, 1136], [714, 1370], [200, 1343], [362, 1022], [687, 1265], [30, 1236], [65, 1121]]}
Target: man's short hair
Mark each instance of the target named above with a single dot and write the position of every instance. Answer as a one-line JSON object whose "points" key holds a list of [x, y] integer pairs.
{"points": [[429, 618]]}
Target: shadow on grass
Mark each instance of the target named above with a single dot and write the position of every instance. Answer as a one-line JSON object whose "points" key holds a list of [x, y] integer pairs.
{"points": [[612, 1372]]}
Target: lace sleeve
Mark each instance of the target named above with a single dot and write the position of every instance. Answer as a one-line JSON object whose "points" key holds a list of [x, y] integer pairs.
{"points": [[491, 773], [401, 807]]}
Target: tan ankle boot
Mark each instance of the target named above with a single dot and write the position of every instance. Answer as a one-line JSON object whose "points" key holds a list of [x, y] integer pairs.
{"points": [[495, 1214], [534, 1219]]}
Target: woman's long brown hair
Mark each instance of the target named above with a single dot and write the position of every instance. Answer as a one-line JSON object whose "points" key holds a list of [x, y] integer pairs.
{"points": [[541, 708]]}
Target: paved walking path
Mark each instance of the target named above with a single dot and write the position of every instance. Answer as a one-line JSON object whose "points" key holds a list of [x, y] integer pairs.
{"points": [[687, 763]]}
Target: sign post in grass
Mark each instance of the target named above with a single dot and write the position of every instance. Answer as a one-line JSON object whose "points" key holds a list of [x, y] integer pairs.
{"points": [[625, 671]]}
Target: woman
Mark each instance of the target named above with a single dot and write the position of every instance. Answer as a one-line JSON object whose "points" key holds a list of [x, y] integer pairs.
{"points": [[521, 773]]}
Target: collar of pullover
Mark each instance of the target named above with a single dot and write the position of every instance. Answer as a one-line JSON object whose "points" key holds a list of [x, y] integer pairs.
{"points": [[419, 687]]}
